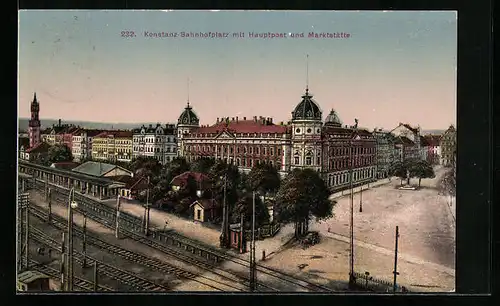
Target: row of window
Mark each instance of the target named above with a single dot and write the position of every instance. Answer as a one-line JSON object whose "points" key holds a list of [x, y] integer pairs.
{"points": [[356, 150], [308, 160], [334, 180], [357, 162], [155, 149], [245, 162], [224, 149], [154, 140]]}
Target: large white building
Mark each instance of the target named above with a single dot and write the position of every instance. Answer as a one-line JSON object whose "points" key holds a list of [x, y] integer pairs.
{"points": [[159, 142]]}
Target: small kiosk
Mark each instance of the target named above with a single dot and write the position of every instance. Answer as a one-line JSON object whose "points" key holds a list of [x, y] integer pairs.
{"points": [[238, 238], [32, 281]]}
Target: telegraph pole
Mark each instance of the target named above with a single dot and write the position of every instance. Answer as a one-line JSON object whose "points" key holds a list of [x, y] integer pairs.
{"points": [[117, 229], [395, 272], [361, 199], [63, 260], [225, 213], [50, 205], [70, 241], [27, 232], [351, 225], [252, 250], [146, 212], [95, 276], [84, 241]]}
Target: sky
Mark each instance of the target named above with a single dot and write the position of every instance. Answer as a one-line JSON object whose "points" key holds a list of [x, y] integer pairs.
{"points": [[394, 66]]}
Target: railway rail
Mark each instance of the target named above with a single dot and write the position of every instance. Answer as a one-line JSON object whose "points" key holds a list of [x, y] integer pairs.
{"points": [[79, 283], [106, 215], [123, 276], [150, 262]]}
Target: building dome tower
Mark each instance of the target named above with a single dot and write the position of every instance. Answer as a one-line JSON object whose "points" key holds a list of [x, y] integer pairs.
{"points": [[34, 123]]}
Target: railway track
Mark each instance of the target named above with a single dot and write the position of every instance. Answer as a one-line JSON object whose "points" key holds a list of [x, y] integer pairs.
{"points": [[111, 212], [123, 276], [79, 283], [153, 263]]}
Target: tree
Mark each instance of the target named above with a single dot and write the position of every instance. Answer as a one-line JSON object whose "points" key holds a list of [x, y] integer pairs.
{"points": [[145, 166], [421, 169], [177, 166], [59, 153], [399, 169], [202, 165], [218, 173], [244, 207], [303, 194], [448, 184], [264, 178]]}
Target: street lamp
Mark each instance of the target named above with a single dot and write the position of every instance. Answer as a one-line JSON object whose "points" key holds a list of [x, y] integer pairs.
{"points": [[361, 199], [72, 204]]}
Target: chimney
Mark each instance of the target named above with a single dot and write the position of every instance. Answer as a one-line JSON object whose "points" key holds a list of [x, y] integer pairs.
{"points": [[150, 126], [232, 119], [217, 120], [236, 118], [255, 118], [244, 118], [271, 120], [59, 122]]}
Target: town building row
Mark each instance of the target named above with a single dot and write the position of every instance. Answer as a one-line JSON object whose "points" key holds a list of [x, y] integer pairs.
{"points": [[306, 141]]}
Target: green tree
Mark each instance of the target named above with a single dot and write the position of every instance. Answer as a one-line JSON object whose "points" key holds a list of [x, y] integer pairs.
{"points": [[264, 178], [145, 166], [202, 165], [59, 153], [244, 207], [399, 169], [223, 175], [421, 169], [448, 183], [303, 194]]}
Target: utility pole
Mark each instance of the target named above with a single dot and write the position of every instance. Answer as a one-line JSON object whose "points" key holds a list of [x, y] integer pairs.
{"points": [[84, 241], [95, 276], [50, 205], [351, 225], [146, 212], [395, 272], [252, 249], [117, 229], [361, 199], [70, 240], [27, 232], [63, 260], [225, 221]]}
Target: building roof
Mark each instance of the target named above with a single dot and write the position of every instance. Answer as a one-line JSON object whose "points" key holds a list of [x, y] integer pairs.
{"points": [[347, 131], [205, 203], [257, 125], [24, 142], [406, 125], [333, 119], [65, 165], [181, 179], [27, 277], [42, 147], [188, 117], [97, 169], [307, 109], [115, 134], [433, 140], [405, 141], [423, 142], [168, 129]]}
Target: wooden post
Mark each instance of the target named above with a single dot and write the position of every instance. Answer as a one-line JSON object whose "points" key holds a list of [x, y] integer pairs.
{"points": [[95, 276], [50, 205], [117, 229], [396, 259], [63, 259], [27, 234], [84, 241]]}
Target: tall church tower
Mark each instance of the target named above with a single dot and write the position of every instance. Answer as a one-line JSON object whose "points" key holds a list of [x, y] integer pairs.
{"points": [[34, 123]]}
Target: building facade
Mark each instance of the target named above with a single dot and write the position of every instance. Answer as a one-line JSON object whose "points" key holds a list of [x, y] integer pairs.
{"points": [[433, 149], [305, 142], [408, 141], [448, 146], [34, 123], [82, 143], [112, 146], [385, 152], [159, 142]]}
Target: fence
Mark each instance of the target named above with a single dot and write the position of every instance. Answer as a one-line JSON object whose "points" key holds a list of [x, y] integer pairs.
{"points": [[370, 283], [265, 231]]}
